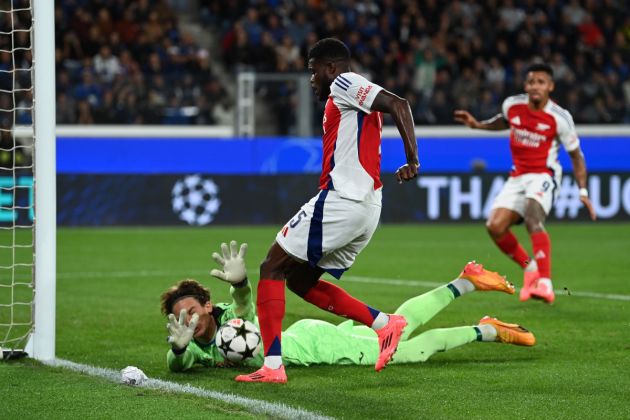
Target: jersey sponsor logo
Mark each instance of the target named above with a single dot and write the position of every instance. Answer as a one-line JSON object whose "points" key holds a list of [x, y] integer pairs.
{"points": [[362, 94], [516, 120], [542, 127], [528, 138]]}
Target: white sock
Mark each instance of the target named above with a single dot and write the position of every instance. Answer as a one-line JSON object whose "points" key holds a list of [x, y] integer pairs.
{"points": [[532, 266], [545, 281], [463, 286], [273, 362], [380, 321], [488, 332]]}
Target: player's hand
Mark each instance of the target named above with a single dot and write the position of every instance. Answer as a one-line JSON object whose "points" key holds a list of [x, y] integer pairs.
{"points": [[589, 206], [465, 118], [407, 172], [233, 263], [180, 333]]}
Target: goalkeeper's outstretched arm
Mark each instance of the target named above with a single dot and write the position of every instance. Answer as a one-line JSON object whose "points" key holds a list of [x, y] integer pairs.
{"points": [[179, 357], [234, 271]]}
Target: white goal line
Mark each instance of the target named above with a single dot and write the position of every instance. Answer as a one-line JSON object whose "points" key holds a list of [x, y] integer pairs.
{"points": [[275, 410]]}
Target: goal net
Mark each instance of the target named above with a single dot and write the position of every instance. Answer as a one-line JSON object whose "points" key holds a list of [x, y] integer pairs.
{"points": [[25, 327]]}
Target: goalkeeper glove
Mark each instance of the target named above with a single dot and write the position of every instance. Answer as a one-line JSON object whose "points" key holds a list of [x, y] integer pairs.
{"points": [[180, 333], [233, 263]]}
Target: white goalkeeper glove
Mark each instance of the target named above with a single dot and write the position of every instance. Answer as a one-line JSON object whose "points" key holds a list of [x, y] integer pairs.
{"points": [[233, 263], [180, 333]]}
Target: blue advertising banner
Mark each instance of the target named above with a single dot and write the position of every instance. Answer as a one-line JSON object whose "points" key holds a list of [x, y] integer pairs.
{"points": [[273, 155], [205, 199]]}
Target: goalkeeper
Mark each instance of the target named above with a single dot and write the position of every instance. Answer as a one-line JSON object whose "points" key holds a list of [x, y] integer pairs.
{"points": [[311, 341]]}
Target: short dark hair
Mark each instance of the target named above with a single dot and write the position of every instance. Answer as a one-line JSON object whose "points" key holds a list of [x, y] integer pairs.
{"points": [[329, 49], [184, 288], [541, 67]]}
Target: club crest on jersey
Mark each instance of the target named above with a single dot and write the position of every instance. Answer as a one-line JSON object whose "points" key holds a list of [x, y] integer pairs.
{"points": [[542, 127]]}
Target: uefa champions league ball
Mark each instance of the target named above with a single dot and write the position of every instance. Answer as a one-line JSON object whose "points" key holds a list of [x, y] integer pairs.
{"points": [[238, 340]]}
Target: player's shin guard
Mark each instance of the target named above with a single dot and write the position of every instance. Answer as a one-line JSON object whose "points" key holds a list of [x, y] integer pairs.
{"points": [[512, 248], [270, 305], [334, 299], [541, 245]]}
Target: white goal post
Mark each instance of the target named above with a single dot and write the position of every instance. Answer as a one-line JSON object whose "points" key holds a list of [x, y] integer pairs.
{"points": [[45, 273], [28, 230]]}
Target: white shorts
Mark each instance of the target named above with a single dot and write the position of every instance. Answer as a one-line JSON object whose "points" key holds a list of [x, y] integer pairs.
{"points": [[329, 231], [540, 187]]}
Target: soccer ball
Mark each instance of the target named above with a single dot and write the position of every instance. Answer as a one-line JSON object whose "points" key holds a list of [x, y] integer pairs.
{"points": [[238, 340]]}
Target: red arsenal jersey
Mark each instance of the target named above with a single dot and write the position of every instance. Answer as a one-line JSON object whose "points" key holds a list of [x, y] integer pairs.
{"points": [[535, 136]]}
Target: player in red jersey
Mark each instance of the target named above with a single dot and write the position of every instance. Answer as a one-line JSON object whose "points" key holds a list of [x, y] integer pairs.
{"points": [[329, 231], [537, 127]]}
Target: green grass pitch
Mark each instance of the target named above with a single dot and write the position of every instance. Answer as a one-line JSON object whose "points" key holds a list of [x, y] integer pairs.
{"points": [[109, 282]]}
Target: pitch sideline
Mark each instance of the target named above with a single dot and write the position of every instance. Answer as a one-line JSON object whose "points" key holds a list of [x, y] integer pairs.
{"points": [[274, 410]]}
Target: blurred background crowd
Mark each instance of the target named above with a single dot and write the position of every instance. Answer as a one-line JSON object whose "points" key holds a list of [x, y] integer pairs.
{"points": [[174, 61]]}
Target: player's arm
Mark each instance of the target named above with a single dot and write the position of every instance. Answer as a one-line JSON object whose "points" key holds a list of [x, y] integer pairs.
{"points": [[579, 170], [400, 111], [234, 272], [180, 357], [496, 123], [179, 362]]}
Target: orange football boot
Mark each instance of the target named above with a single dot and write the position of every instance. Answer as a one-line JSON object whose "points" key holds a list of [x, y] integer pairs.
{"points": [[485, 280], [510, 333]]}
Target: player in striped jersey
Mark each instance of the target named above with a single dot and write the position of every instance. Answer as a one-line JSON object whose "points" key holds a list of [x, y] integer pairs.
{"points": [[329, 231], [537, 128]]}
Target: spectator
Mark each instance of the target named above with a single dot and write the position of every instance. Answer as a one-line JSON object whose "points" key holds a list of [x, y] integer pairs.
{"points": [[106, 65], [116, 62], [410, 47]]}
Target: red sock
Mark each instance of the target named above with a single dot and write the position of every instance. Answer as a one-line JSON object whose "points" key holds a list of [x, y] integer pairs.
{"points": [[510, 246], [542, 252], [334, 299], [270, 306]]}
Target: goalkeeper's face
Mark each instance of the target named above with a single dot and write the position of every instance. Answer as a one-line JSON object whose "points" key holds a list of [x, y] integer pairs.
{"points": [[206, 327]]}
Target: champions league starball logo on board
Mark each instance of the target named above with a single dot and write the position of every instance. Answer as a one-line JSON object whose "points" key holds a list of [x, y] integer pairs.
{"points": [[195, 200]]}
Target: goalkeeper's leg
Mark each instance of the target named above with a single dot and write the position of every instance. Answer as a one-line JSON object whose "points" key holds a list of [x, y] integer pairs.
{"points": [[420, 309], [420, 348]]}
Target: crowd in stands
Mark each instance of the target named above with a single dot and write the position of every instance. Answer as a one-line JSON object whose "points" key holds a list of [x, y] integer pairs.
{"points": [[129, 62], [444, 55]]}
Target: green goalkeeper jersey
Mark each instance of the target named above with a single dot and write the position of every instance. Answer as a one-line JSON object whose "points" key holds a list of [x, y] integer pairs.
{"points": [[306, 342], [311, 341], [242, 307]]}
